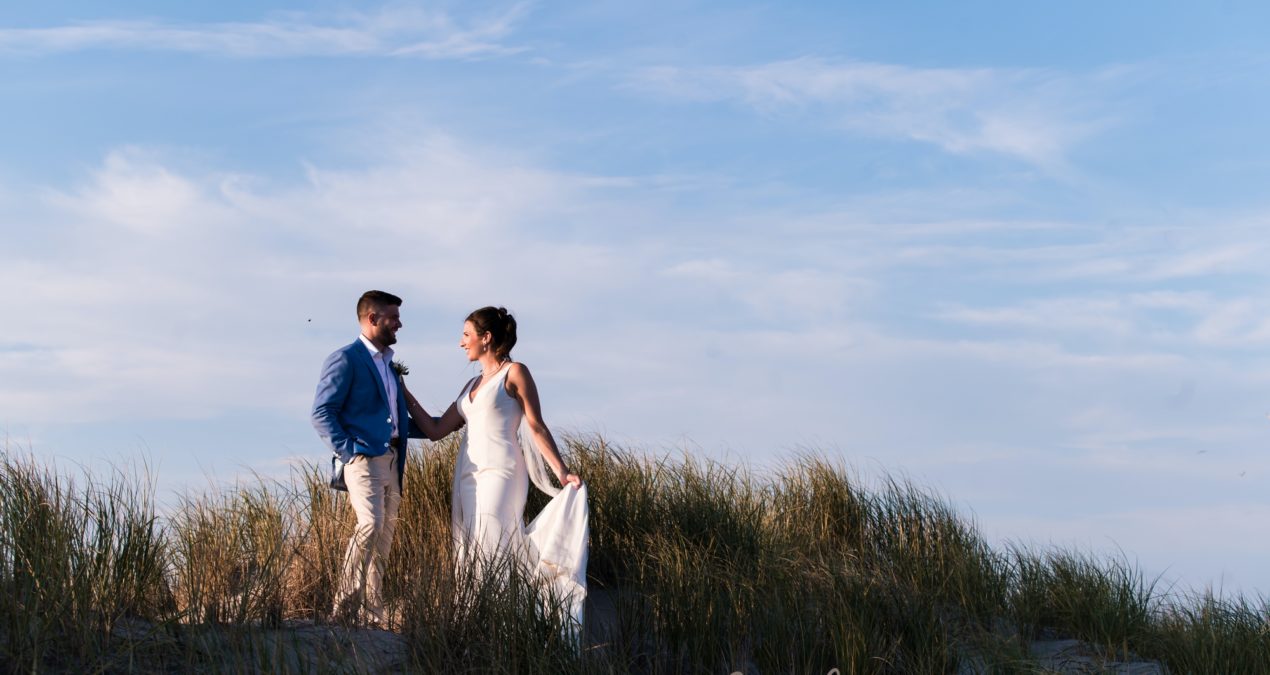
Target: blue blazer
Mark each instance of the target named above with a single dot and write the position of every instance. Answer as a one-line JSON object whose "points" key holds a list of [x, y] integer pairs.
{"points": [[351, 411]]}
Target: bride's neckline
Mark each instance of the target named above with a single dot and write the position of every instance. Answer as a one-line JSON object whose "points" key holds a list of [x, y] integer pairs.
{"points": [[471, 393]]}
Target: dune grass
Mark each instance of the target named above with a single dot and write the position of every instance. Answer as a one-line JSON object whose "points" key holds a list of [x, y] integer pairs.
{"points": [[706, 568]]}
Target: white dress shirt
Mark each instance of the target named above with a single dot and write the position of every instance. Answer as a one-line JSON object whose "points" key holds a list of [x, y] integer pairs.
{"points": [[383, 363]]}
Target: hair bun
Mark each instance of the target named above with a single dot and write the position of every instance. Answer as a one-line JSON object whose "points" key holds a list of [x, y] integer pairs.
{"points": [[501, 326]]}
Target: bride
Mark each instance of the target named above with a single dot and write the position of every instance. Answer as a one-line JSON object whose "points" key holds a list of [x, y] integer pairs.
{"points": [[497, 460]]}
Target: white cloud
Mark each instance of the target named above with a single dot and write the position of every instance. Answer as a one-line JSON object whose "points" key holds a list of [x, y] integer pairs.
{"points": [[713, 270], [162, 271], [395, 31], [171, 288], [805, 293], [433, 192], [1240, 322], [180, 292], [1210, 260], [1174, 322], [1099, 316], [136, 192], [1032, 115]]}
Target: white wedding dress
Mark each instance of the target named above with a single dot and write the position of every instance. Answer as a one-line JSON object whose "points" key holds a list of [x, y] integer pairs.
{"points": [[487, 503]]}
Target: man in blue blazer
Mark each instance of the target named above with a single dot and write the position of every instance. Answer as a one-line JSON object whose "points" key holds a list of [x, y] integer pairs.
{"points": [[360, 412]]}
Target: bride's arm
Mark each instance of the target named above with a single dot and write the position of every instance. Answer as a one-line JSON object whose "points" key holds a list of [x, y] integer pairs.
{"points": [[520, 384], [435, 428]]}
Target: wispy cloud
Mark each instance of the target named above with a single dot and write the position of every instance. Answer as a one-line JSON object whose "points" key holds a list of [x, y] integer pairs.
{"points": [[183, 250], [397, 31], [200, 307], [1032, 115]]}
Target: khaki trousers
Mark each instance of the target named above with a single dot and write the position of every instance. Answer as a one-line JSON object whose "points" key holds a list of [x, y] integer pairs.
{"points": [[375, 496]]}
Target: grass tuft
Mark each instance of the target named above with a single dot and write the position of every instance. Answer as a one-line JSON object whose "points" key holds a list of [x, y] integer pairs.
{"points": [[695, 566]]}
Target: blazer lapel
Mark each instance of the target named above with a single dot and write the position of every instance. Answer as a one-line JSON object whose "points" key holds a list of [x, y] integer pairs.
{"points": [[370, 365], [403, 413]]}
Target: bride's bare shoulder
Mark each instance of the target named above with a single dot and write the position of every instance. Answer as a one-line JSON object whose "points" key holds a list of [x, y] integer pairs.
{"points": [[518, 370], [517, 375]]}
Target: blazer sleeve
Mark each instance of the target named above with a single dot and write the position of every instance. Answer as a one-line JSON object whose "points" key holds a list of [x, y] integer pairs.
{"points": [[332, 391], [414, 431]]}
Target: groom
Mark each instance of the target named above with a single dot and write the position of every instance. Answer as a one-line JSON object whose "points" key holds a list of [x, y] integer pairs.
{"points": [[360, 412]]}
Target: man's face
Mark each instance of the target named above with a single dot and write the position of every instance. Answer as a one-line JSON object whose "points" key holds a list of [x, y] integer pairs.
{"points": [[383, 324]]}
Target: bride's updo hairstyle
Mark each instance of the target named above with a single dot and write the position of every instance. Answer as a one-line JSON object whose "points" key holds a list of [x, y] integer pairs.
{"points": [[501, 327]]}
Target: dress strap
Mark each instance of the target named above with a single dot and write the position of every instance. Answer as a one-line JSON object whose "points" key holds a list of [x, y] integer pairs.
{"points": [[466, 388]]}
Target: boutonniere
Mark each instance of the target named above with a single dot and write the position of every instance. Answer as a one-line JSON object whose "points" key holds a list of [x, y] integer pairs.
{"points": [[400, 368]]}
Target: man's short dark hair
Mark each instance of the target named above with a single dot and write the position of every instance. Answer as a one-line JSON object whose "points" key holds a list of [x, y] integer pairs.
{"points": [[375, 300]]}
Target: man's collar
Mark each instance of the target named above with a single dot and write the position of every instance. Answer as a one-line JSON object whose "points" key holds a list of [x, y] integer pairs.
{"points": [[373, 349]]}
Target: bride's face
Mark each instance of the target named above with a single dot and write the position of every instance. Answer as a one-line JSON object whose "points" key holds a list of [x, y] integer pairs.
{"points": [[471, 342]]}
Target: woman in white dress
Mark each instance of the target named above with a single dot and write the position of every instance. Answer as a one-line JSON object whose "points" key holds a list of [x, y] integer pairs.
{"points": [[496, 461]]}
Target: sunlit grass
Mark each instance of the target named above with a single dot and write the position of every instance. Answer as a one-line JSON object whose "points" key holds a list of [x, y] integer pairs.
{"points": [[703, 568], [1204, 632]]}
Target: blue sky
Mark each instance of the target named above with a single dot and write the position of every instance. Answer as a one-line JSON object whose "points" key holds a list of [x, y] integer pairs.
{"points": [[1014, 251]]}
